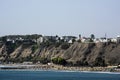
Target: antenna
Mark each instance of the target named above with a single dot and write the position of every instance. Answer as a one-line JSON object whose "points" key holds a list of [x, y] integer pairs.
{"points": [[105, 35]]}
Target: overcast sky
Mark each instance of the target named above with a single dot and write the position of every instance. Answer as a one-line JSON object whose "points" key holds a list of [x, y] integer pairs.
{"points": [[61, 17]]}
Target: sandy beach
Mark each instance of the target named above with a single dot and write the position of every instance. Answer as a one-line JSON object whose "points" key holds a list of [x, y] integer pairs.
{"points": [[57, 67]]}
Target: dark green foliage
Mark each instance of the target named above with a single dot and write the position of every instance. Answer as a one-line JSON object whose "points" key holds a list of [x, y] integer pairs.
{"points": [[10, 47], [65, 46], [79, 36], [57, 44], [81, 63], [28, 58], [4, 39], [91, 40], [49, 43], [46, 44], [70, 63], [59, 61], [42, 60], [20, 60], [112, 61], [99, 62], [79, 41], [92, 36], [73, 40], [18, 43], [34, 48], [15, 60], [30, 37], [62, 40]]}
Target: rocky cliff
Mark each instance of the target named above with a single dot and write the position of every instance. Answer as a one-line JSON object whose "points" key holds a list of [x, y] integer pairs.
{"points": [[99, 54]]}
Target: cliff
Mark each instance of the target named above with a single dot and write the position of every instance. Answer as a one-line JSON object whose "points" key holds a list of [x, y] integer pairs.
{"points": [[80, 54]]}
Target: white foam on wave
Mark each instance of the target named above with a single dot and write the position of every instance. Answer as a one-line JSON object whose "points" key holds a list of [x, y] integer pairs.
{"points": [[64, 71], [101, 72]]}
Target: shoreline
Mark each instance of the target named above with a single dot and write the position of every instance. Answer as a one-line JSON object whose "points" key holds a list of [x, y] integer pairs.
{"points": [[39, 67], [66, 71]]}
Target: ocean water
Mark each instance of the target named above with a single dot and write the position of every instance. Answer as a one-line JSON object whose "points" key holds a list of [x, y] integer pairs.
{"points": [[56, 75]]}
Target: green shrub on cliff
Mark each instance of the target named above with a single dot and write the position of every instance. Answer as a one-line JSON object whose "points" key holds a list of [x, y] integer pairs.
{"points": [[59, 61], [34, 48]]}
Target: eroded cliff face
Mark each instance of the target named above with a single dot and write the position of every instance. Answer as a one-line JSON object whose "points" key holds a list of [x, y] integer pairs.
{"points": [[78, 53], [21, 52]]}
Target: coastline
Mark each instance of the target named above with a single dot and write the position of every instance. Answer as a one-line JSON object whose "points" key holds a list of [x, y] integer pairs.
{"points": [[39, 67]]}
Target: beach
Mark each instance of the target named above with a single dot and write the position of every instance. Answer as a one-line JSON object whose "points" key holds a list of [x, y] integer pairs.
{"points": [[57, 67]]}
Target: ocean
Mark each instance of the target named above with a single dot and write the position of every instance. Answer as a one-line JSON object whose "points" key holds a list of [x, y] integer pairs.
{"points": [[56, 75]]}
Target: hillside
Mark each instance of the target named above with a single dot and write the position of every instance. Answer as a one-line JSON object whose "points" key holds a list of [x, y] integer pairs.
{"points": [[76, 54]]}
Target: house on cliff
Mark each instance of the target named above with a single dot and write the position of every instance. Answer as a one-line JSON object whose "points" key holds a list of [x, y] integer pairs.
{"points": [[40, 40], [69, 38], [103, 39], [118, 39], [48, 38]]}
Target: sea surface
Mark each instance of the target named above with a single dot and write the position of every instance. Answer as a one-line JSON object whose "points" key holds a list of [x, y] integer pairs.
{"points": [[56, 75]]}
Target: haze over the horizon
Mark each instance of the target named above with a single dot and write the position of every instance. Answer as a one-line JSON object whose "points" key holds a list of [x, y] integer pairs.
{"points": [[61, 17]]}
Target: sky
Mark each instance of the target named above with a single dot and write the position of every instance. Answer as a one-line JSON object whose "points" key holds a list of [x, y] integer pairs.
{"points": [[60, 17]]}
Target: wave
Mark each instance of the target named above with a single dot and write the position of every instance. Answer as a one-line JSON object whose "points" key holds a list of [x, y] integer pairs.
{"points": [[100, 72]]}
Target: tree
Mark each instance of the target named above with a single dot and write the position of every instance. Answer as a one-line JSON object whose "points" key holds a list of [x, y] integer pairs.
{"points": [[65, 46], [99, 62], [79, 36], [59, 61], [73, 40], [44, 60], [34, 48], [92, 36], [4, 39]]}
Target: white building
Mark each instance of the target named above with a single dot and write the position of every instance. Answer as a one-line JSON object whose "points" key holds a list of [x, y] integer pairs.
{"points": [[70, 41], [118, 39], [104, 40], [114, 40], [68, 38], [10, 40], [40, 40], [96, 40], [83, 40]]}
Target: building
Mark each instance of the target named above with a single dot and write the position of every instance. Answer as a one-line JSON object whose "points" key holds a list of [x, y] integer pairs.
{"points": [[10, 41], [104, 40], [70, 41], [114, 40], [96, 40], [118, 39], [86, 40], [48, 38], [51, 38], [40, 40]]}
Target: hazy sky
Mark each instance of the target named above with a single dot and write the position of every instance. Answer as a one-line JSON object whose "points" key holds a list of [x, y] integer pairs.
{"points": [[62, 17]]}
